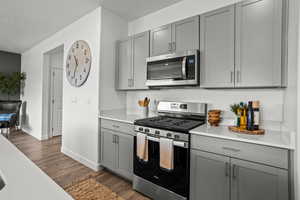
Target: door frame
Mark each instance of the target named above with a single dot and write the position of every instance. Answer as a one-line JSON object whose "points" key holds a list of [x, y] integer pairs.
{"points": [[47, 91]]}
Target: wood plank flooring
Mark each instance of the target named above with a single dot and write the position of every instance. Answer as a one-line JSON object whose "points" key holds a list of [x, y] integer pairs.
{"points": [[64, 170]]}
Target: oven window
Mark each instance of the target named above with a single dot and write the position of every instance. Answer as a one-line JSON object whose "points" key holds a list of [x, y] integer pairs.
{"points": [[166, 69]]}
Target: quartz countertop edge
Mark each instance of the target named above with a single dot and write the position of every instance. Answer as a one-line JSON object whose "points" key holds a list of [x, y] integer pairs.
{"points": [[277, 139], [23, 179]]}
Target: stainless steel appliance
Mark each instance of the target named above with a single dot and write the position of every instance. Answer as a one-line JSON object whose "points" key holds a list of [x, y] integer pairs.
{"points": [[176, 69], [175, 120]]}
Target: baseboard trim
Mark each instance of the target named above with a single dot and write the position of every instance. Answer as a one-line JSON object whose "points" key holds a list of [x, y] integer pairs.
{"points": [[90, 164]]}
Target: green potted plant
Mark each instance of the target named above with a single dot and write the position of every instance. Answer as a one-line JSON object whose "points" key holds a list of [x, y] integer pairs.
{"points": [[11, 84]]}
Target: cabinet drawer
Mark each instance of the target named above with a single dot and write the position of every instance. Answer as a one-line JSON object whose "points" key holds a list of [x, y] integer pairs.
{"points": [[117, 126], [241, 150]]}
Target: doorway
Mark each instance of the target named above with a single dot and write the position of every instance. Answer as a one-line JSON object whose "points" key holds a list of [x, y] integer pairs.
{"points": [[53, 92]]}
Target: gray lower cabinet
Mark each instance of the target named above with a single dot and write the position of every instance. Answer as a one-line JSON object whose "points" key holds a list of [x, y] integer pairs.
{"points": [[251, 181], [217, 48], [209, 176], [117, 152], [220, 177], [258, 43]]}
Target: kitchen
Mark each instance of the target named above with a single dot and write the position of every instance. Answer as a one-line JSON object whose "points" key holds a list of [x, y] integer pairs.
{"points": [[160, 93]]}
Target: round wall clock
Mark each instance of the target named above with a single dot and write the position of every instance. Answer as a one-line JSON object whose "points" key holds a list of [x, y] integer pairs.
{"points": [[79, 60]]}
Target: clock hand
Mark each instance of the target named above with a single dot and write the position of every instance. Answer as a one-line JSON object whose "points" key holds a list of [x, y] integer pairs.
{"points": [[76, 62]]}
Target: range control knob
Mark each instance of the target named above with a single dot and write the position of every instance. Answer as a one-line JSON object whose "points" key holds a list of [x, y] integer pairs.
{"points": [[169, 135], [157, 132], [141, 129], [147, 130], [177, 137]]}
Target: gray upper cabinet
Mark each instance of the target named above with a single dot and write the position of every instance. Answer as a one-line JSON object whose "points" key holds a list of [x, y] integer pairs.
{"points": [[131, 62], [258, 43], [125, 155], [185, 34], [124, 65], [140, 53], [217, 48], [161, 40], [210, 176], [253, 181], [179, 36]]}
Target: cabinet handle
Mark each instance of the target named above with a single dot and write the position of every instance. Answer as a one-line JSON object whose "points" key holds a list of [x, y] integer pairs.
{"points": [[231, 76], [227, 169], [128, 82], [170, 46], [234, 171], [231, 149], [174, 46], [114, 139], [238, 76], [117, 139], [115, 126]]}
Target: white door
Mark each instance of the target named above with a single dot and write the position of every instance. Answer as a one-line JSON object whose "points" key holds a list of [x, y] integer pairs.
{"points": [[56, 95]]}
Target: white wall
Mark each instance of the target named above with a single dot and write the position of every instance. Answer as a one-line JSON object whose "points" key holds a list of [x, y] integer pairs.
{"points": [[113, 28], [80, 114]]}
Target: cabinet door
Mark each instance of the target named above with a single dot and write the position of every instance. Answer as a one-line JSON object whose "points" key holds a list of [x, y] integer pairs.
{"points": [[140, 53], [125, 78], [185, 34], [125, 155], [108, 148], [252, 181], [258, 43], [217, 48], [210, 176], [161, 40]]}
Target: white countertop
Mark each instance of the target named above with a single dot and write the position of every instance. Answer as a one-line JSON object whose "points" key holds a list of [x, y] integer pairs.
{"points": [[270, 138], [123, 115], [277, 139], [24, 180]]}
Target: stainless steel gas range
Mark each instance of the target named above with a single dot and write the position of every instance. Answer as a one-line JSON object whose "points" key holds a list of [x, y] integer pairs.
{"points": [[173, 124]]}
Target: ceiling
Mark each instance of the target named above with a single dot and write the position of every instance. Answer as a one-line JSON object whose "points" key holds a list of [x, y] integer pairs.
{"points": [[24, 23], [133, 9]]}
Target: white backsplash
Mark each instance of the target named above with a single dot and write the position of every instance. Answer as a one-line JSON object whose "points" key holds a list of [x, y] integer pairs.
{"points": [[271, 101]]}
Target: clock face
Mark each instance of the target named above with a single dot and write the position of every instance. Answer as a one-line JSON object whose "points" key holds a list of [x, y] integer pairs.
{"points": [[78, 65]]}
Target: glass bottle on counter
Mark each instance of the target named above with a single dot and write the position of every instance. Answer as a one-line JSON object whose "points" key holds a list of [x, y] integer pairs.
{"points": [[256, 114], [250, 116], [243, 120]]}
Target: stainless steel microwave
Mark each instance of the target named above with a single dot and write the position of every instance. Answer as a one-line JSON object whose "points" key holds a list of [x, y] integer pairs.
{"points": [[178, 69]]}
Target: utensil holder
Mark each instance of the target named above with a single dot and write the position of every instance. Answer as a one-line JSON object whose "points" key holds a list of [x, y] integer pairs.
{"points": [[144, 111]]}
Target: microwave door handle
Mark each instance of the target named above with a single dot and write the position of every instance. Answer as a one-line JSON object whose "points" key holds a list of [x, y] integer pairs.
{"points": [[184, 68]]}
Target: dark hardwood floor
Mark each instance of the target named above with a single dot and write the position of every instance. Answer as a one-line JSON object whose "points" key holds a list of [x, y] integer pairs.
{"points": [[64, 170]]}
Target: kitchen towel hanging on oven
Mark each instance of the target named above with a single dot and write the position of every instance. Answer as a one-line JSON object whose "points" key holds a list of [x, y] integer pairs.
{"points": [[166, 150], [142, 147]]}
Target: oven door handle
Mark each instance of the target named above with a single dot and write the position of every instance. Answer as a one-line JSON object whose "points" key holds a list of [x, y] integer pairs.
{"points": [[184, 68], [175, 143]]}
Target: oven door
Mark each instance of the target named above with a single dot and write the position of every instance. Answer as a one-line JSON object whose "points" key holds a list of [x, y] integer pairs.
{"points": [[176, 180], [173, 69]]}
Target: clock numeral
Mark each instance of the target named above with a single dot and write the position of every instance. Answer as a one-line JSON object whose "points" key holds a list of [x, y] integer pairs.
{"points": [[68, 65], [85, 52], [87, 60], [80, 77], [84, 70], [77, 45]]}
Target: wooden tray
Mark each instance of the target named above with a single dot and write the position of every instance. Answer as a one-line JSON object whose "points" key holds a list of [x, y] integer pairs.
{"points": [[239, 130]]}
